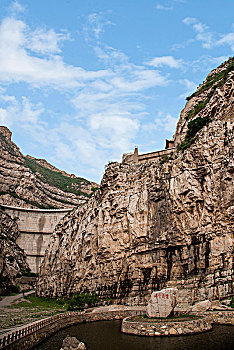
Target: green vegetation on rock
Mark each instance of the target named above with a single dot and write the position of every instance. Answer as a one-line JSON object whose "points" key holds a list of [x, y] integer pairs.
{"points": [[199, 107], [193, 127], [232, 303], [56, 179], [215, 79]]}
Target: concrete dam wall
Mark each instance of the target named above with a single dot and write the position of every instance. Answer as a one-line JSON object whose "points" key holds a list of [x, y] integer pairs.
{"points": [[35, 226]]}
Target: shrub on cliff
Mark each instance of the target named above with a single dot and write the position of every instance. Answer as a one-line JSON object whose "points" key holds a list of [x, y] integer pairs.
{"points": [[193, 127]]}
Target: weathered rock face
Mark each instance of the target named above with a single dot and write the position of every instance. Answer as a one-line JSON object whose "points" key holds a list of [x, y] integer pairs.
{"points": [[31, 183], [158, 224], [12, 258]]}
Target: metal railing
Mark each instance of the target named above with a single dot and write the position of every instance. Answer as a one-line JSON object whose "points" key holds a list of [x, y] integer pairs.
{"points": [[18, 334]]}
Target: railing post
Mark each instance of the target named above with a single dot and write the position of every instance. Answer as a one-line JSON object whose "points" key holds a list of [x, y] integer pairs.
{"points": [[4, 341]]}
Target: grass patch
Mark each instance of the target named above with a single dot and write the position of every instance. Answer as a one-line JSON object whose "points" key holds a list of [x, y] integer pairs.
{"points": [[56, 179], [145, 318], [78, 302], [41, 303], [16, 317]]}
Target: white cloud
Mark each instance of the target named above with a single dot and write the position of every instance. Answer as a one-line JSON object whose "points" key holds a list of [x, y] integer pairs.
{"points": [[178, 46], [110, 56], [227, 39], [167, 122], [162, 122], [189, 20], [108, 104], [203, 35], [163, 8], [21, 113], [46, 41], [16, 8], [3, 116], [206, 63], [140, 79], [94, 26], [169, 61], [206, 37], [16, 64], [190, 87]]}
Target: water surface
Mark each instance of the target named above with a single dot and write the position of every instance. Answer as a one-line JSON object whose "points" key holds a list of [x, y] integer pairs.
{"points": [[105, 335]]}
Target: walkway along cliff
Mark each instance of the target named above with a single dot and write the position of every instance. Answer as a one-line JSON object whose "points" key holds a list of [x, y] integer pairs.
{"points": [[161, 223]]}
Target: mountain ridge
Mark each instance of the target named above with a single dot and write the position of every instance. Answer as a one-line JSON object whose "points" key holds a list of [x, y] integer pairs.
{"points": [[34, 183]]}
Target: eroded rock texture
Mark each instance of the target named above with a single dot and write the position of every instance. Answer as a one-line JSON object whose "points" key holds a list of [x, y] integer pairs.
{"points": [[166, 223], [12, 258], [31, 183]]}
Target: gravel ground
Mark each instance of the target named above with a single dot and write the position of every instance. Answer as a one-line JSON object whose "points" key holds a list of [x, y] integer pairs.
{"points": [[11, 317]]}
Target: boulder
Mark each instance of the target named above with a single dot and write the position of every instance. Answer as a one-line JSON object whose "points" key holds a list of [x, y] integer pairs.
{"points": [[202, 306], [71, 343], [162, 303]]}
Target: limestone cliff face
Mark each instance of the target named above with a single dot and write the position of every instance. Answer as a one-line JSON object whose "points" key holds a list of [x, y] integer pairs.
{"points": [[159, 224], [12, 258], [30, 182]]}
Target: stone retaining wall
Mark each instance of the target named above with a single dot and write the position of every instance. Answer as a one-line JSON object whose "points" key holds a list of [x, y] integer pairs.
{"points": [[165, 328], [28, 336], [221, 317]]}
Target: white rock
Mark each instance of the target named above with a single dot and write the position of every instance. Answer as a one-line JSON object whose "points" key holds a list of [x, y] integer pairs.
{"points": [[201, 306], [162, 303]]}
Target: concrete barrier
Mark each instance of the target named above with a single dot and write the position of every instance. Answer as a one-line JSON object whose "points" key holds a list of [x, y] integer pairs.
{"points": [[35, 227]]}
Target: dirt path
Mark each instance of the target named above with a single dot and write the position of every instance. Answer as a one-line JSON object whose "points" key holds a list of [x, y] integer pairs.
{"points": [[7, 301]]}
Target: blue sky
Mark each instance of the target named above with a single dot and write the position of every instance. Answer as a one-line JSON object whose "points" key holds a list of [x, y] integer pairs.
{"points": [[82, 82]]}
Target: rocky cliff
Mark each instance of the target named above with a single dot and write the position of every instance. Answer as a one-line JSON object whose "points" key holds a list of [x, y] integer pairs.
{"points": [[12, 258], [30, 182], [162, 223]]}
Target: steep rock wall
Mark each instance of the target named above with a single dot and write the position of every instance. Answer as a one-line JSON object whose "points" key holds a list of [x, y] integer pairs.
{"points": [[156, 224], [12, 258]]}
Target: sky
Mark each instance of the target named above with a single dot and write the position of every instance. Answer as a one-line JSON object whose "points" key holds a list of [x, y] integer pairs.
{"points": [[82, 82]]}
